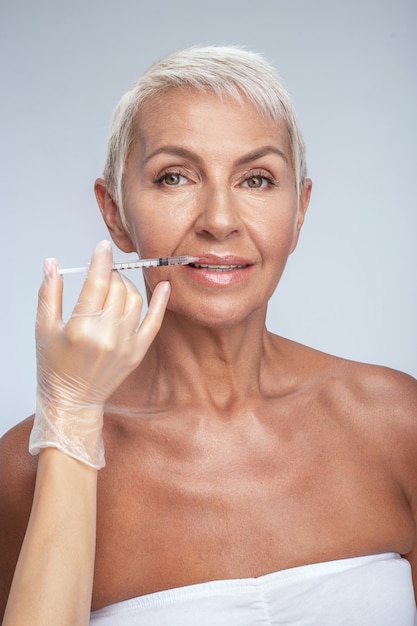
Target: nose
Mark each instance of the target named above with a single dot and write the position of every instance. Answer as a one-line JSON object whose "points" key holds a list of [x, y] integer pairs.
{"points": [[219, 216]]}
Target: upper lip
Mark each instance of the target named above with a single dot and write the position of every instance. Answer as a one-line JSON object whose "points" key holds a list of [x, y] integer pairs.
{"points": [[223, 260]]}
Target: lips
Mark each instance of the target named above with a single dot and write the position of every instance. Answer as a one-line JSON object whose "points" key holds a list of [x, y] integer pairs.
{"points": [[218, 271], [217, 268], [224, 263]]}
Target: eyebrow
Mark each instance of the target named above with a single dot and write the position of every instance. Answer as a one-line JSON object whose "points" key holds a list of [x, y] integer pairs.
{"points": [[258, 154], [175, 151], [188, 154]]}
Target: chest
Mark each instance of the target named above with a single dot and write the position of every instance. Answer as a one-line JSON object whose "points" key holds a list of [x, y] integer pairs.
{"points": [[239, 507]]}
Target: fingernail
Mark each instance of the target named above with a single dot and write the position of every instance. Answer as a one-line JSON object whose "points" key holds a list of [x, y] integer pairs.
{"points": [[49, 268], [104, 245], [165, 287]]}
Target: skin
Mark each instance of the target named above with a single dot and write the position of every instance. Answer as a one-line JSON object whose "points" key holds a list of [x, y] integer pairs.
{"points": [[101, 343], [230, 452]]}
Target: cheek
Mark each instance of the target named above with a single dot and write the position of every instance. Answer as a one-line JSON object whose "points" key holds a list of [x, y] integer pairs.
{"points": [[275, 232], [147, 232], [159, 223]]}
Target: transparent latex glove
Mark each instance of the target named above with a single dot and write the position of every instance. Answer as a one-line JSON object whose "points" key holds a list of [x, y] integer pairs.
{"points": [[81, 363]]}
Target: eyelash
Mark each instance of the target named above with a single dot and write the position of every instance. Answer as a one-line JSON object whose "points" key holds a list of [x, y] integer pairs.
{"points": [[260, 174], [159, 180]]}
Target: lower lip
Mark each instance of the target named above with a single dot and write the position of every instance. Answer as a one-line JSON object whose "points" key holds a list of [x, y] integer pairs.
{"points": [[218, 278]]}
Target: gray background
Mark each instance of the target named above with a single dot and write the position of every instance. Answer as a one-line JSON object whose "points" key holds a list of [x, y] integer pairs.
{"points": [[350, 287]]}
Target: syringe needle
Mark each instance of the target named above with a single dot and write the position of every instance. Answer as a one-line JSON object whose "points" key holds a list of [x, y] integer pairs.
{"points": [[130, 265]]}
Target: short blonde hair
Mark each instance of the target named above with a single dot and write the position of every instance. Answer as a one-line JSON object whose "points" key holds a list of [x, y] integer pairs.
{"points": [[220, 69]]}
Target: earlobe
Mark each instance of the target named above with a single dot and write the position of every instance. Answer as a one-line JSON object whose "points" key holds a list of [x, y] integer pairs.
{"points": [[111, 215]]}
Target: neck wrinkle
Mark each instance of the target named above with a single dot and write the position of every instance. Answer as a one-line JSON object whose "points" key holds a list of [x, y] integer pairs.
{"points": [[219, 366]]}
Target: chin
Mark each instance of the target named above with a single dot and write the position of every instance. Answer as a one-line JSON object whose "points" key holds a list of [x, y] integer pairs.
{"points": [[222, 317]]}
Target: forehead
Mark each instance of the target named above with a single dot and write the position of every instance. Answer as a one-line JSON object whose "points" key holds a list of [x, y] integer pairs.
{"points": [[203, 119]]}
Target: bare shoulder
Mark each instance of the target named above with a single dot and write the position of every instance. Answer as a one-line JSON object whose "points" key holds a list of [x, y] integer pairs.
{"points": [[376, 397], [17, 480], [378, 403], [387, 401], [381, 404], [372, 398], [390, 391], [17, 466], [393, 394], [384, 398]]}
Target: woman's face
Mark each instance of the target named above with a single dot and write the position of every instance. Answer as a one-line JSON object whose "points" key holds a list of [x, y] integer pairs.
{"points": [[212, 178]]}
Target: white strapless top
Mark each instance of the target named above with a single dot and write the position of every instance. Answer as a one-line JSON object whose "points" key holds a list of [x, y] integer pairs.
{"points": [[372, 590]]}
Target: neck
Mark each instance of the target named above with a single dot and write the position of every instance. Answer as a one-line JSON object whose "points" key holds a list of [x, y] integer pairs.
{"points": [[214, 366]]}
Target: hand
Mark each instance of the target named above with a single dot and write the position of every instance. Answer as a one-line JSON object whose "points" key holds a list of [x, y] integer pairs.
{"points": [[81, 363]]}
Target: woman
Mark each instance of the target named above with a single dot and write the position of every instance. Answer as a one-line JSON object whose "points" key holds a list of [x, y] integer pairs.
{"points": [[248, 479]]}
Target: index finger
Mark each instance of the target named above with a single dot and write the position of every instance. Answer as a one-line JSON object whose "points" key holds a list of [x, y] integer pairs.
{"points": [[97, 284], [50, 295], [153, 319]]}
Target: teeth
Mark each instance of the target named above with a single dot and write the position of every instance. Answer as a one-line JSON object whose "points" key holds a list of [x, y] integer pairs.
{"points": [[219, 268]]}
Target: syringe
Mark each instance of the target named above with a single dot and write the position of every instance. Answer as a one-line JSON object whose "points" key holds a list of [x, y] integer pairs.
{"points": [[130, 265]]}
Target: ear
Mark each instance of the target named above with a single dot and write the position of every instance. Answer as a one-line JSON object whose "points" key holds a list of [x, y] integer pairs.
{"points": [[111, 215], [303, 202]]}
